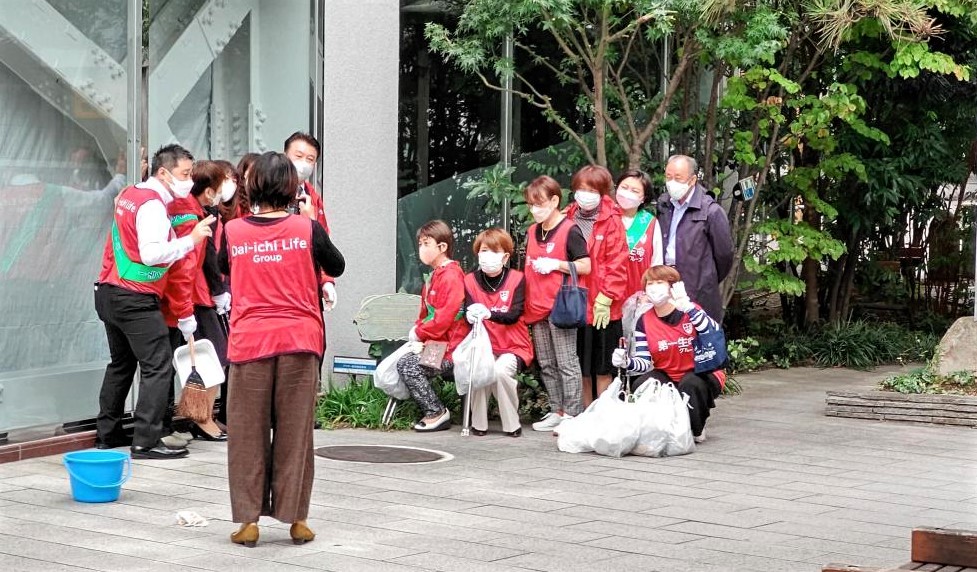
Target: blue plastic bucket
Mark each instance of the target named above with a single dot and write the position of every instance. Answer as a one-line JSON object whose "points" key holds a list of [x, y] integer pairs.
{"points": [[97, 476]]}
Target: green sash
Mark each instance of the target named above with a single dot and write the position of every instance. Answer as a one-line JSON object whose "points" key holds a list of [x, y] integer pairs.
{"points": [[639, 227], [180, 219], [129, 270]]}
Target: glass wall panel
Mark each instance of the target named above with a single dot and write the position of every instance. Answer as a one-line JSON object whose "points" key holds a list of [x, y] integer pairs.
{"points": [[63, 115], [220, 73]]}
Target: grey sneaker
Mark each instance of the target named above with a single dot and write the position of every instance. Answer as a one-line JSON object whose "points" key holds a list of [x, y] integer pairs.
{"points": [[174, 442], [185, 435]]}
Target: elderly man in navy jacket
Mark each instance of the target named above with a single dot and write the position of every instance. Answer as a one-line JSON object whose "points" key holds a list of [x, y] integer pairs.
{"points": [[696, 234]]}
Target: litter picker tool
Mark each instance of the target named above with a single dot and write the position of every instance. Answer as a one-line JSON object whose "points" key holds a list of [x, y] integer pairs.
{"points": [[466, 416]]}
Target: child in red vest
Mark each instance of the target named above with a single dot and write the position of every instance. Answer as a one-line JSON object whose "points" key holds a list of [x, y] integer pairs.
{"points": [[495, 294]]}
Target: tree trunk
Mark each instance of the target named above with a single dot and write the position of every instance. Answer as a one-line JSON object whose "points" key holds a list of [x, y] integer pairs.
{"points": [[708, 164], [810, 271]]}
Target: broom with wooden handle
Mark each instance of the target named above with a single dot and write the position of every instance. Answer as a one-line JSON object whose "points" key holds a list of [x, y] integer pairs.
{"points": [[194, 400]]}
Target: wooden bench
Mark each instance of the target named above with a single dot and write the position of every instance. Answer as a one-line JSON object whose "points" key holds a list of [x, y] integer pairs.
{"points": [[933, 550]]}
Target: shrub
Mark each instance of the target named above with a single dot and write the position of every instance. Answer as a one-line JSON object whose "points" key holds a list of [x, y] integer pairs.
{"points": [[927, 380], [360, 404]]}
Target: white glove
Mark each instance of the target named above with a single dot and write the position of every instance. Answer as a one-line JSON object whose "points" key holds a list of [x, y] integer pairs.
{"points": [[222, 303], [477, 312], [412, 335], [187, 326], [545, 265], [619, 358], [416, 347], [680, 299], [329, 294]]}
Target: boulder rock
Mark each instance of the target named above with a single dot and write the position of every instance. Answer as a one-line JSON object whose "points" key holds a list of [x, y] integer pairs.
{"points": [[958, 348]]}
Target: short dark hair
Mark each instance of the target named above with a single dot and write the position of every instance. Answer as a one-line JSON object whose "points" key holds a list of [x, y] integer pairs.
{"points": [[168, 157], [643, 178], [439, 231], [593, 177], [303, 136], [207, 175], [272, 181]]}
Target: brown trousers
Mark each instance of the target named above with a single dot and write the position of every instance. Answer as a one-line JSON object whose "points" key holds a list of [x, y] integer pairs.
{"points": [[271, 476]]}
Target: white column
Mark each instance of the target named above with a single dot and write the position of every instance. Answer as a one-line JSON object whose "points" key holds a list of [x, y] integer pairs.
{"points": [[362, 50]]}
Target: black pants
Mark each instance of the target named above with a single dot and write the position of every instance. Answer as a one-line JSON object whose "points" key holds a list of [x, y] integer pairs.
{"points": [[137, 336], [209, 327], [702, 389]]}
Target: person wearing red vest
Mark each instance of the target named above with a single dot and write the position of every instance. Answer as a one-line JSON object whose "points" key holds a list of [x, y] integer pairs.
{"points": [[641, 228], [552, 245], [304, 151], [599, 218], [495, 294], [440, 319], [663, 346], [275, 347], [204, 288], [139, 251]]}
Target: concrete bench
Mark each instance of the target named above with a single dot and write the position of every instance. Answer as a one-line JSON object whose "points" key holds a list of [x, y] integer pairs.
{"points": [[933, 550]]}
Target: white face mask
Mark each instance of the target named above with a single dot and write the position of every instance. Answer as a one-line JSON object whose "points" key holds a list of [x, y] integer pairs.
{"points": [[657, 293], [228, 188], [586, 200], [181, 189], [677, 190], [540, 213], [304, 169], [491, 262], [628, 199]]}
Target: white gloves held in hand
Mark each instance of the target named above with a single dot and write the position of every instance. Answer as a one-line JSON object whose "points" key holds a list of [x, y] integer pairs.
{"points": [[619, 358], [416, 347], [680, 298], [222, 303], [412, 335], [187, 326], [545, 265], [329, 295], [477, 312]]}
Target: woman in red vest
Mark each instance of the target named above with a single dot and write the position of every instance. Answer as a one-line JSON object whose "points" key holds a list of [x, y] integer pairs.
{"points": [[663, 346], [275, 347], [441, 319], [641, 228], [495, 294], [552, 245], [204, 285]]}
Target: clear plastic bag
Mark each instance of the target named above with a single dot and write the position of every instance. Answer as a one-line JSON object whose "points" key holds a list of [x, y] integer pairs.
{"points": [[386, 378], [474, 362]]}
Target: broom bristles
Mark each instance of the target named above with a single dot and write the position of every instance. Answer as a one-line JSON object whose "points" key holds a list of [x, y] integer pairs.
{"points": [[195, 400]]}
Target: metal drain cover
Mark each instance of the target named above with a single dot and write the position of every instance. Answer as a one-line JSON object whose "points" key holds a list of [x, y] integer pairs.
{"points": [[381, 454]]}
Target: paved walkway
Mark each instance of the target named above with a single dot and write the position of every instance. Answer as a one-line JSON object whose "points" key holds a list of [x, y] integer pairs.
{"points": [[778, 486]]}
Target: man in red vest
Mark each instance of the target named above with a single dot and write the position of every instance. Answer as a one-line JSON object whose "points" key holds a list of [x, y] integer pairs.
{"points": [[139, 251], [303, 151]]}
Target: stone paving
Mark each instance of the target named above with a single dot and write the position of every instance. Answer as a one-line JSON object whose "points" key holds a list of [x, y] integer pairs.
{"points": [[777, 486]]}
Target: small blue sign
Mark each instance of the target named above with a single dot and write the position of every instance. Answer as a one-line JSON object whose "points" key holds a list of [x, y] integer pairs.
{"points": [[354, 365], [748, 187]]}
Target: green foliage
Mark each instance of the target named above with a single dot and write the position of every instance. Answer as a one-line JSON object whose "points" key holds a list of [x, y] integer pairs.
{"points": [[863, 345], [496, 186], [743, 355], [789, 244], [928, 380], [360, 404]]}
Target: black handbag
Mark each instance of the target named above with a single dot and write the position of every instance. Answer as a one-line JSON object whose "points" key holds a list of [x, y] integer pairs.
{"points": [[570, 308]]}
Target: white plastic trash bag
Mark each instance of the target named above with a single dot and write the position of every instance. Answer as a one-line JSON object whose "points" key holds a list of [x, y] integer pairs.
{"points": [[474, 363], [656, 419], [620, 427], [386, 378], [680, 441]]}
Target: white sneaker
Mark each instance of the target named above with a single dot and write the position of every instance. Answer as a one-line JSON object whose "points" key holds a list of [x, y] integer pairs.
{"points": [[700, 438], [174, 442], [549, 422]]}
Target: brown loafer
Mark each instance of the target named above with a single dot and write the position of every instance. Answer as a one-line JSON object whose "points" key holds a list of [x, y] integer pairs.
{"points": [[301, 533], [246, 535]]}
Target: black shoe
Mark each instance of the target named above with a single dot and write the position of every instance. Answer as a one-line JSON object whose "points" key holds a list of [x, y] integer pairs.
{"points": [[479, 432], [516, 433], [112, 442], [160, 451], [199, 433]]}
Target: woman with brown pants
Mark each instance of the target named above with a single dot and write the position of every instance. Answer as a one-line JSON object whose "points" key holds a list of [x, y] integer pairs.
{"points": [[275, 348]]}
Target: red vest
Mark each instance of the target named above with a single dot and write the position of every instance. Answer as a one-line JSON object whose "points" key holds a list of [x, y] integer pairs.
{"points": [[541, 289], [639, 258], [126, 207], [671, 346], [506, 338], [276, 291], [184, 216]]}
